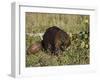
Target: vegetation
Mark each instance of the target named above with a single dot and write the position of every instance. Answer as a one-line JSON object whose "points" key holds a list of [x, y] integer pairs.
{"points": [[77, 26]]}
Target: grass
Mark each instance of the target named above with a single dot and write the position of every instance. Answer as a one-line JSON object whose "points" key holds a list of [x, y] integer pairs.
{"points": [[76, 54]]}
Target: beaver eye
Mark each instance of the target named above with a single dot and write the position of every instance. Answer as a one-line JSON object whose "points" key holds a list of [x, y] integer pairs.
{"points": [[62, 44]]}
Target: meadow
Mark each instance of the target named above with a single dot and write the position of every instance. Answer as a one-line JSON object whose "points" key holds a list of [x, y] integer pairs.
{"points": [[77, 26]]}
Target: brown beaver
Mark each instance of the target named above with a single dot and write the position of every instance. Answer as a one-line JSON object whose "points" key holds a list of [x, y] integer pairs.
{"points": [[34, 48], [55, 40]]}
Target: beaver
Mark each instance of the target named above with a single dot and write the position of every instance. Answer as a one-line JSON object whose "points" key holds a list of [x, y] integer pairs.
{"points": [[34, 48], [55, 40]]}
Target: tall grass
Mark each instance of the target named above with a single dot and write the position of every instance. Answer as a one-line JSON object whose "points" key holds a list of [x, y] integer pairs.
{"points": [[39, 22]]}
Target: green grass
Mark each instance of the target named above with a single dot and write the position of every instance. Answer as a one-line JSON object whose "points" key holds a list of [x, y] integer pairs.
{"points": [[76, 54]]}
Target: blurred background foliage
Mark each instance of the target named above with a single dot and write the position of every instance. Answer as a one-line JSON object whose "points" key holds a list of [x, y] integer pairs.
{"points": [[77, 26], [39, 22]]}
